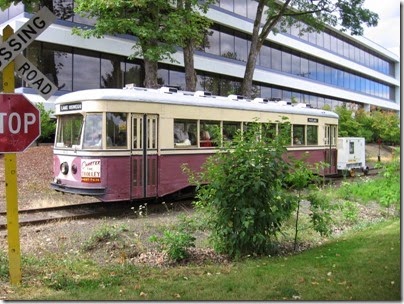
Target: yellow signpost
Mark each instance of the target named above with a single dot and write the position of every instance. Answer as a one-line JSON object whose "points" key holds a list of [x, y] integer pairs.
{"points": [[10, 165], [12, 46]]}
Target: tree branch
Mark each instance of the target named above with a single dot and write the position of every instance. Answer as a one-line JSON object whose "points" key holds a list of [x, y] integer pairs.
{"points": [[271, 22]]}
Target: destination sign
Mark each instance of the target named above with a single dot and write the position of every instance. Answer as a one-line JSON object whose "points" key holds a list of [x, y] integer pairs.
{"points": [[70, 107]]}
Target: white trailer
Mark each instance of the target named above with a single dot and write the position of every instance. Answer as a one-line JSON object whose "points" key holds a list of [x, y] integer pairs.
{"points": [[351, 155]]}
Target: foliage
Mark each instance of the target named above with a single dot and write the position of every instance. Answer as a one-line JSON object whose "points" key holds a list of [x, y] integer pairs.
{"points": [[4, 267], [320, 212], [350, 211], [48, 125], [302, 178], [386, 126], [194, 27], [385, 189], [365, 129], [244, 198], [370, 125], [391, 195], [158, 25], [176, 241], [347, 125]]}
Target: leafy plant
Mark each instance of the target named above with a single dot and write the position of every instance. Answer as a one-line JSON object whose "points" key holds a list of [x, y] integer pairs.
{"points": [[302, 179], [48, 125], [392, 191], [241, 191], [350, 211], [4, 270], [175, 243]]}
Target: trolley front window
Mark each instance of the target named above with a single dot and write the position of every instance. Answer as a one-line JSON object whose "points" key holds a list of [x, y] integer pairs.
{"points": [[69, 130], [93, 131]]}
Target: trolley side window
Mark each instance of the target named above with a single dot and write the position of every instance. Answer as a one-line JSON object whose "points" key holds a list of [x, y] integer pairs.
{"points": [[298, 135], [185, 132], [284, 131], [69, 130], [312, 135], [93, 131], [152, 132], [269, 131], [117, 131], [208, 133], [230, 128], [331, 134]]}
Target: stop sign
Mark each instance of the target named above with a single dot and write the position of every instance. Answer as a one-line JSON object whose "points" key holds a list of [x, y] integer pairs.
{"points": [[20, 123]]}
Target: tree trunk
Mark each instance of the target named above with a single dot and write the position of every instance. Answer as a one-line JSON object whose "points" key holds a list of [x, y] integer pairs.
{"points": [[190, 74], [150, 79], [257, 40], [246, 86]]}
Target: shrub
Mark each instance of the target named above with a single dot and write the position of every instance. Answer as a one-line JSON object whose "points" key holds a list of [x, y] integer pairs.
{"points": [[175, 243], [241, 191]]}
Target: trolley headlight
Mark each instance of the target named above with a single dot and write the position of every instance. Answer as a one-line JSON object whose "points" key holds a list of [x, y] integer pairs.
{"points": [[74, 169], [64, 168]]}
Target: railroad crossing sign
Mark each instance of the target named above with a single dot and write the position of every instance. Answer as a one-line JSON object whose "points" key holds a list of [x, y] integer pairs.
{"points": [[20, 123], [11, 49]]}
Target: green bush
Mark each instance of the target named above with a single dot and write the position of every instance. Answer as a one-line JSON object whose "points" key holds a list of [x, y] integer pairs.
{"points": [[384, 189], [372, 126], [240, 189], [175, 243]]}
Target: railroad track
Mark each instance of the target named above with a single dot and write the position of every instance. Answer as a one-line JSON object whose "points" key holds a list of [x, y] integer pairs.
{"points": [[90, 210], [373, 172], [117, 209]]}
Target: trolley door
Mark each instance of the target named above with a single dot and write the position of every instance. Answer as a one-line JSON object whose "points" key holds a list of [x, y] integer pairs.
{"points": [[144, 155]]}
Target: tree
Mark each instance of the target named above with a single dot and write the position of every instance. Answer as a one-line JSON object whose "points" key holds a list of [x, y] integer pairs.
{"points": [[149, 21], [48, 125], [386, 126], [370, 125], [347, 126], [194, 27], [308, 16], [364, 120]]}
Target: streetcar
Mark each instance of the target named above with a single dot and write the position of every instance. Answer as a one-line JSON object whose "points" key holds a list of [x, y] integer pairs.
{"points": [[131, 143]]}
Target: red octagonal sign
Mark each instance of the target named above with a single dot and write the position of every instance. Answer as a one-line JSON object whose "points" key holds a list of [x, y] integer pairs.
{"points": [[20, 123]]}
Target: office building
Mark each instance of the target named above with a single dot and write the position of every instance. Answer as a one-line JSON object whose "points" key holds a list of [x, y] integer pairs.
{"points": [[328, 68]]}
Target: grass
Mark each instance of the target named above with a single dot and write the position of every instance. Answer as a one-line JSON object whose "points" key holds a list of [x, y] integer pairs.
{"points": [[361, 265]]}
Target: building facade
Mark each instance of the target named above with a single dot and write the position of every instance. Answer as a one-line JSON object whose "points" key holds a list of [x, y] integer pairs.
{"points": [[328, 68]]}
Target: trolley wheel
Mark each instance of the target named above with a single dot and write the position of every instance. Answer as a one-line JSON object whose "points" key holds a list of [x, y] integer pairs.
{"points": [[366, 170], [352, 172]]}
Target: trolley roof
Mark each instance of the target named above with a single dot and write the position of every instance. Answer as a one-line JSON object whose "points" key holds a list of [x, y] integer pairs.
{"points": [[167, 95]]}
